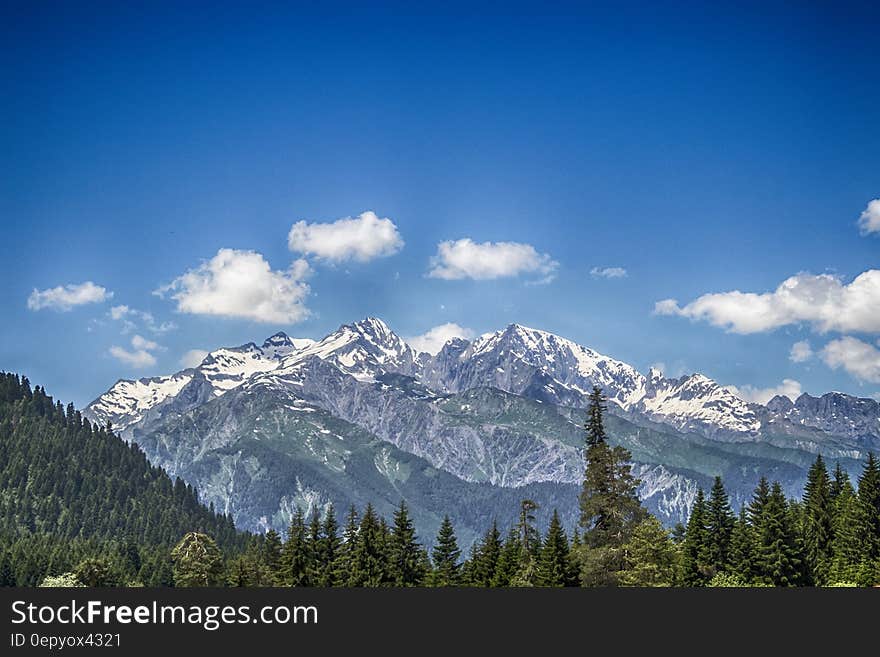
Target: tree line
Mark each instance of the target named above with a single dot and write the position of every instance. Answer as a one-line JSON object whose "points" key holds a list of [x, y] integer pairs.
{"points": [[831, 536]]}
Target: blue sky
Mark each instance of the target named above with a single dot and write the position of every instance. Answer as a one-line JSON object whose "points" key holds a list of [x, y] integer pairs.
{"points": [[702, 150]]}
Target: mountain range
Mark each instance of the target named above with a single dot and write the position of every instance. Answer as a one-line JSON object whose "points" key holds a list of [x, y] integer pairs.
{"points": [[362, 416]]}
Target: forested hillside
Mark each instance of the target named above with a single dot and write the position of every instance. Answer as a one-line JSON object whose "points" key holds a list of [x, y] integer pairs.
{"points": [[70, 489]]}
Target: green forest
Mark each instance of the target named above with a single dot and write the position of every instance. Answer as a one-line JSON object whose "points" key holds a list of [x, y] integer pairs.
{"points": [[81, 507]]}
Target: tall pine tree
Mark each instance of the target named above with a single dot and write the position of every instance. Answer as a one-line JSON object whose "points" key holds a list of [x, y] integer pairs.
{"points": [[295, 553], [406, 562], [369, 561], [446, 554], [778, 560], [869, 498], [742, 549], [817, 530], [553, 563], [609, 504], [719, 524], [696, 567]]}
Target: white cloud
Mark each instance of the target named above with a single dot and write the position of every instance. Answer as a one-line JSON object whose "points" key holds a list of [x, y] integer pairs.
{"points": [[193, 357], [860, 359], [66, 297], [142, 344], [789, 388], [139, 356], [801, 351], [465, 258], [242, 284], [432, 341], [666, 307], [869, 221], [126, 315], [608, 272], [823, 301], [118, 312], [360, 238]]}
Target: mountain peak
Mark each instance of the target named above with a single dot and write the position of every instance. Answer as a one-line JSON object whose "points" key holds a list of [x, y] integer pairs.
{"points": [[372, 325], [279, 337], [522, 328], [780, 404]]}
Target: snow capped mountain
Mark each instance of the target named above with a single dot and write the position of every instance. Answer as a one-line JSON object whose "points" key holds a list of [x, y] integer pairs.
{"points": [[128, 402], [696, 403], [364, 350], [549, 368], [517, 359], [502, 411], [535, 363]]}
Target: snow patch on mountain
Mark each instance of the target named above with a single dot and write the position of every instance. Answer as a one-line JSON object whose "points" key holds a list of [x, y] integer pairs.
{"points": [[364, 350], [127, 401], [696, 403]]}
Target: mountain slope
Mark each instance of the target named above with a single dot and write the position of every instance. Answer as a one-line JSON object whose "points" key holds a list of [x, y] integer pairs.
{"points": [[257, 456], [64, 482]]}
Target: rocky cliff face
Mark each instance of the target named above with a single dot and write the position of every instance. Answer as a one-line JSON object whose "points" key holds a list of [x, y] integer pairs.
{"points": [[834, 413]]}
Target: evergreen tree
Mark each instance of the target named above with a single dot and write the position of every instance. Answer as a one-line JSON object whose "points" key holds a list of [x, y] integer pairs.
{"points": [[446, 554], [719, 526], [817, 530], [757, 509], [651, 557], [575, 559], [272, 546], [369, 564], [554, 568], [742, 549], [295, 553], [838, 482], [197, 561], [528, 535], [697, 568], [345, 558], [487, 557], [595, 425], [609, 504], [328, 550], [406, 565], [468, 571], [314, 544], [508, 561], [529, 540], [847, 546], [238, 574], [869, 498], [777, 558]]}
